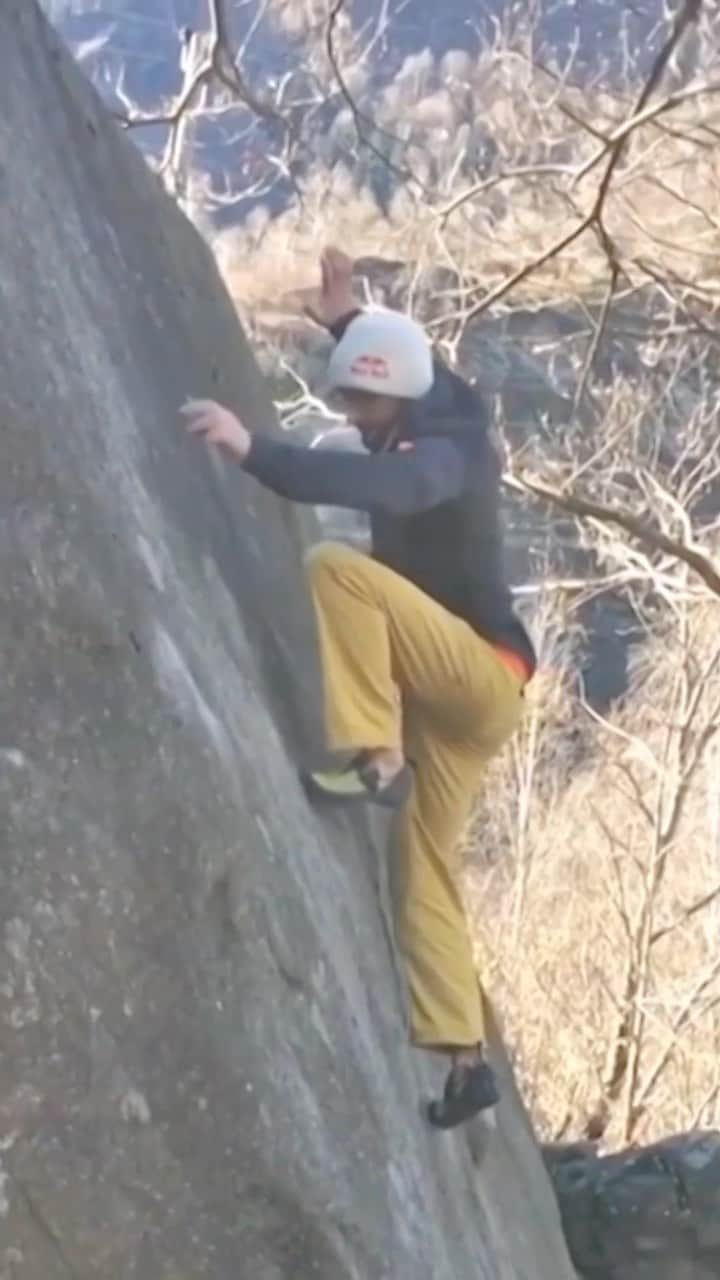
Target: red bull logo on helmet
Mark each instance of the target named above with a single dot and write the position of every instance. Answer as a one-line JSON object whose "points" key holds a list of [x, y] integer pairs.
{"points": [[370, 367]]}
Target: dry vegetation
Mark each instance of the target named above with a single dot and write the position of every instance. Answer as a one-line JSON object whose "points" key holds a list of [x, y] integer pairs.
{"points": [[594, 867], [598, 907]]}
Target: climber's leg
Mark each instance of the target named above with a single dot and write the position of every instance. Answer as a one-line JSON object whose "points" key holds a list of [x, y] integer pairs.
{"points": [[379, 633], [446, 1000]]}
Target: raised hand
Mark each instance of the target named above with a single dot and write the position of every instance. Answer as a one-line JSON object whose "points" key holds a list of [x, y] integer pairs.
{"points": [[334, 297]]}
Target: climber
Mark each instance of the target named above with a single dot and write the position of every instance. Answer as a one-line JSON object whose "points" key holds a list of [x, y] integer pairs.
{"points": [[424, 659]]}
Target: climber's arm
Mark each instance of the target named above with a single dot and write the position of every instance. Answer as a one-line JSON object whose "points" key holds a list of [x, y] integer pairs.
{"points": [[402, 482], [416, 479]]}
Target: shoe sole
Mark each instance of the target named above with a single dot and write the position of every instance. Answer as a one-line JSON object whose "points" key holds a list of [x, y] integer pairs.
{"points": [[391, 797], [437, 1116]]}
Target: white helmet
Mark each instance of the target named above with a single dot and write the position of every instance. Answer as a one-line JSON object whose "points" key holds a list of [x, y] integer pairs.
{"points": [[383, 352]]}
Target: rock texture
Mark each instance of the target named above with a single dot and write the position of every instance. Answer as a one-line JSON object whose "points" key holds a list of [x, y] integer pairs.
{"points": [[203, 1068], [652, 1214]]}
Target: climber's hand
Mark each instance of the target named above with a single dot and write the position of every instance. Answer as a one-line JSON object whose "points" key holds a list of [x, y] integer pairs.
{"points": [[218, 425], [334, 298]]}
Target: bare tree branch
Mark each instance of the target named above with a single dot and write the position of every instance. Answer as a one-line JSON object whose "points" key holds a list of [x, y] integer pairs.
{"points": [[650, 114], [577, 505], [687, 914], [682, 1017], [704, 1106], [224, 64], [479, 188], [218, 63], [682, 303], [597, 337], [614, 149]]}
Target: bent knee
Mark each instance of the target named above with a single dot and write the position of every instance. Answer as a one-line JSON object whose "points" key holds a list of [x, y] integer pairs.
{"points": [[328, 557]]}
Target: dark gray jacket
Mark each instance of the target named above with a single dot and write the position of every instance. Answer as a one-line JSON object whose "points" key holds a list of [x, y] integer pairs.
{"points": [[434, 508]]}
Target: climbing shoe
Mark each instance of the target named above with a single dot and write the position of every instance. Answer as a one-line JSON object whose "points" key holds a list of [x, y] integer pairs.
{"points": [[359, 781], [470, 1088]]}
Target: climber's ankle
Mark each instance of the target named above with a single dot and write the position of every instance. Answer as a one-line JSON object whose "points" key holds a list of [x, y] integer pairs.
{"points": [[387, 760], [467, 1055]]}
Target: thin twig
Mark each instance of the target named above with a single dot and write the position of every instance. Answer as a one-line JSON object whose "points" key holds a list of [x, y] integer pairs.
{"points": [[361, 120], [687, 1010], [648, 115], [507, 285], [524, 171], [218, 63], [686, 915], [597, 337], [227, 71]]}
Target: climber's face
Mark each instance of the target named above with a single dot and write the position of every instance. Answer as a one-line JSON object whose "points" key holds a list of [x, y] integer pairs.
{"points": [[373, 415]]}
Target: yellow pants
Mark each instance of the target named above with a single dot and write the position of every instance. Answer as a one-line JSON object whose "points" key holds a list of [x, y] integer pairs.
{"points": [[400, 670]]}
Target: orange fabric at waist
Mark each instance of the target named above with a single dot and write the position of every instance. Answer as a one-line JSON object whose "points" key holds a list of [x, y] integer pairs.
{"points": [[514, 662]]}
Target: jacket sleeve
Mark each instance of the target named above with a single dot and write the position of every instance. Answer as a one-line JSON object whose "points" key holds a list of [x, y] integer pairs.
{"points": [[408, 481]]}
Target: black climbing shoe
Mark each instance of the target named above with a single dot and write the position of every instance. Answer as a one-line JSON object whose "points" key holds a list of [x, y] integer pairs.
{"points": [[359, 782], [470, 1088]]}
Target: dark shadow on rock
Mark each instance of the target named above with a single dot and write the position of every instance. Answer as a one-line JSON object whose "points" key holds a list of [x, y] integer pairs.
{"points": [[649, 1213]]}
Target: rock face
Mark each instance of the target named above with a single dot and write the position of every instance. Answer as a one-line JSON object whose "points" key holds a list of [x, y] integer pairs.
{"points": [[203, 1067], [652, 1214]]}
